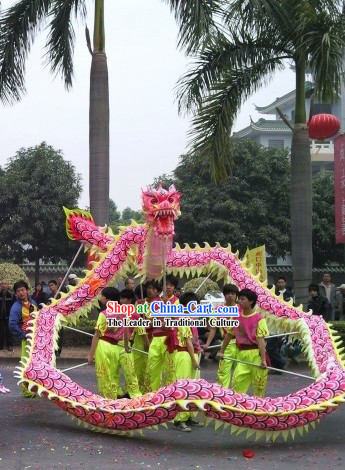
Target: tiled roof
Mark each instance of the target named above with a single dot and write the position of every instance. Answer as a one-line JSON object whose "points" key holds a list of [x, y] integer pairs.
{"points": [[289, 98], [288, 269], [61, 269], [263, 125], [50, 268]]}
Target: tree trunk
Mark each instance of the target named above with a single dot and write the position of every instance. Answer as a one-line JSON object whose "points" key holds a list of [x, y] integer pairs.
{"points": [[99, 124], [301, 195], [37, 268]]}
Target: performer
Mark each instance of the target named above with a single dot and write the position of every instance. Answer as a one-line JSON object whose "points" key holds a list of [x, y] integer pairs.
{"points": [[187, 352], [110, 348], [141, 342], [171, 286], [127, 296], [250, 340], [160, 362], [228, 348], [20, 315]]}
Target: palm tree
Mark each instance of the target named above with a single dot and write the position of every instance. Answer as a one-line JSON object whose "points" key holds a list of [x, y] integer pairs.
{"points": [[20, 23], [254, 39]]}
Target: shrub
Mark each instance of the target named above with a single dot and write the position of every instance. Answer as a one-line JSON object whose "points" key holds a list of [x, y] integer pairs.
{"points": [[12, 273], [208, 286]]}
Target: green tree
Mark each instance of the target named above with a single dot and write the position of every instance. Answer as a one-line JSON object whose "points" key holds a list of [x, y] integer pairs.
{"points": [[250, 208], [114, 214], [20, 23], [128, 214], [325, 249], [36, 183], [255, 39]]}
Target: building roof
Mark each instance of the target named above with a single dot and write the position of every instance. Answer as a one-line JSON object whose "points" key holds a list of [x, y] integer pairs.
{"points": [[288, 269], [50, 268], [269, 126], [285, 100]]}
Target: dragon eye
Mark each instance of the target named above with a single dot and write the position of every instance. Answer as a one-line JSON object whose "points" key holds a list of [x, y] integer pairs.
{"points": [[171, 199], [154, 200]]}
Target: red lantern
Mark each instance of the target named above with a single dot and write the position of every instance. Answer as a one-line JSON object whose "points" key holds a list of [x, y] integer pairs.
{"points": [[323, 126]]}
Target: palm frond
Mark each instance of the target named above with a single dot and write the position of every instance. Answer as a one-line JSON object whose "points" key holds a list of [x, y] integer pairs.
{"points": [[324, 43], [258, 13], [17, 27], [61, 37], [197, 20], [210, 136], [218, 58]]}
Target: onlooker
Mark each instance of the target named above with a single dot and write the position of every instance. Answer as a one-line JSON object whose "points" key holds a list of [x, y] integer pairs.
{"points": [[45, 288], [6, 301], [130, 284], [20, 315], [53, 289], [319, 304], [281, 289], [39, 296], [72, 279], [59, 282], [341, 290], [328, 290]]}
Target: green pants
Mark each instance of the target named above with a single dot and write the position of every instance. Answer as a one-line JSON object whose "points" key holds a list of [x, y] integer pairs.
{"points": [[226, 366], [140, 363], [184, 370], [246, 376], [108, 359], [160, 364], [24, 389]]}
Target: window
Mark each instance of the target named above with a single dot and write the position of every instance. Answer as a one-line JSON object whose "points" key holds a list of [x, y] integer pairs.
{"points": [[320, 108], [276, 144]]}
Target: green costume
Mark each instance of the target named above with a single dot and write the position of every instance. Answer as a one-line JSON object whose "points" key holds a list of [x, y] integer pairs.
{"points": [[246, 376], [108, 359], [184, 367], [225, 365]]}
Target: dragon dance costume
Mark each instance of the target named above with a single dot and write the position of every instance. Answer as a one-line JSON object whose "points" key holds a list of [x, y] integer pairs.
{"points": [[251, 327], [287, 416], [110, 356]]}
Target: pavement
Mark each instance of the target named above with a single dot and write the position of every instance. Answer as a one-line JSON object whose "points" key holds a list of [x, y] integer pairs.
{"points": [[35, 434]]}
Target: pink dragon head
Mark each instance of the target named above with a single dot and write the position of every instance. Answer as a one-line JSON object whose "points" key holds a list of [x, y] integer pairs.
{"points": [[161, 207]]}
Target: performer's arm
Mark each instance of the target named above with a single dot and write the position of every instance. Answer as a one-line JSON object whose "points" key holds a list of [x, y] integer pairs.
{"points": [[210, 338], [94, 343], [190, 349], [262, 351], [225, 344], [14, 322], [126, 341], [146, 342], [261, 333]]}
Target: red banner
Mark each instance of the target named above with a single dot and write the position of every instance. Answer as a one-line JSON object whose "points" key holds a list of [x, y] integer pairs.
{"points": [[339, 188]]}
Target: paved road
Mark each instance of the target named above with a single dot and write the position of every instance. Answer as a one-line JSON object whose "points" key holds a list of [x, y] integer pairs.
{"points": [[34, 434]]}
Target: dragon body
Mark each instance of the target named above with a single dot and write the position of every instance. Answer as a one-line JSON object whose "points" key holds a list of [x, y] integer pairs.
{"points": [[140, 247]]}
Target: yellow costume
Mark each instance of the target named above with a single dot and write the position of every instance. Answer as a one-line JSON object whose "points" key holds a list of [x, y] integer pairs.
{"points": [[109, 357], [246, 376], [226, 365]]}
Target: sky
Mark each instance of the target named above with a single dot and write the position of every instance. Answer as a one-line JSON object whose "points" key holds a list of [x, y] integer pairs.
{"points": [[147, 135]]}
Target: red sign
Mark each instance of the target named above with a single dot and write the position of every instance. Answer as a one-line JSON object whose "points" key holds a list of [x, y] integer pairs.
{"points": [[339, 188]]}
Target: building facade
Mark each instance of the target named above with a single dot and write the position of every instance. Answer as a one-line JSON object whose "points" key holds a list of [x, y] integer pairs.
{"points": [[274, 133]]}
